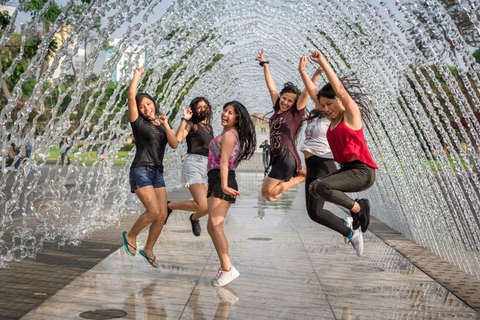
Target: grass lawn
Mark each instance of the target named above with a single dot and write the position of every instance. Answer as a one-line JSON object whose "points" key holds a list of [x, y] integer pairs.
{"points": [[119, 161]]}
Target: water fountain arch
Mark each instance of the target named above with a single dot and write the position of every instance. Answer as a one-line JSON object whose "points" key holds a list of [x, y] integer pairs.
{"points": [[421, 75]]}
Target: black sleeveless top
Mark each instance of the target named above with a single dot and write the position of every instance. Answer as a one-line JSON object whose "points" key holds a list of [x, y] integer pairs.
{"points": [[198, 138], [150, 141]]}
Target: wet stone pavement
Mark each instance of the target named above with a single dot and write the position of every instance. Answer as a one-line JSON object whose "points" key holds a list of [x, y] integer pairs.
{"points": [[290, 268]]}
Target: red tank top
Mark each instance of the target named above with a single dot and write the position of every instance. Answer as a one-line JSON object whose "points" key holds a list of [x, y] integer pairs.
{"points": [[346, 142]]}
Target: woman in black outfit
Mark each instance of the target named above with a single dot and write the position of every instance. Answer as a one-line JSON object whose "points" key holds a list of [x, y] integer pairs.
{"points": [[152, 132]]}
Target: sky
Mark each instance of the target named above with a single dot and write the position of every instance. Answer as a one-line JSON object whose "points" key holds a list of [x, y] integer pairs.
{"points": [[25, 17]]}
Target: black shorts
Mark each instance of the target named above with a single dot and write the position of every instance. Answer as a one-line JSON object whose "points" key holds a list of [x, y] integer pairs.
{"points": [[215, 185], [284, 166]]}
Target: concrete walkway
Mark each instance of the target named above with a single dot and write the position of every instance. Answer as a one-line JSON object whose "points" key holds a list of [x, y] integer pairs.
{"points": [[290, 268]]}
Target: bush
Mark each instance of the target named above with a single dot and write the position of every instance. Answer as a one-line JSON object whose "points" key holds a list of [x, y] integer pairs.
{"points": [[127, 147]]}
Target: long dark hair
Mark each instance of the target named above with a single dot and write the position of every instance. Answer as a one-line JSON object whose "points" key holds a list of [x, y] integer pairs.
{"points": [[196, 118], [354, 89], [139, 97], [246, 131]]}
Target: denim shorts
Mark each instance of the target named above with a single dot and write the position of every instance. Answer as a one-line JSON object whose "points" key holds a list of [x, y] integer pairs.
{"points": [[146, 176], [194, 170]]}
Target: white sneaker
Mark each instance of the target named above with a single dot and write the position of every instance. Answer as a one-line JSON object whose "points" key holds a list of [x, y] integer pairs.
{"points": [[357, 241], [219, 272], [225, 294], [223, 277], [349, 223]]}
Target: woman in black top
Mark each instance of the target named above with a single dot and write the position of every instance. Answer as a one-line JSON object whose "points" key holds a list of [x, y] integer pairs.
{"points": [[196, 129], [152, 132]]}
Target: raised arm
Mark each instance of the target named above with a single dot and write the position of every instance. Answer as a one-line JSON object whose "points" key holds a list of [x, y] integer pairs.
{"points": [[171, 138], [183, 127], [268, 78], [132, 92], [310, 84], [352, 116]]}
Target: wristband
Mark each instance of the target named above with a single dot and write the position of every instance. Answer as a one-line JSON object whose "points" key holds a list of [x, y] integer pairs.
{"points": [[263, 62], [183, 119]]}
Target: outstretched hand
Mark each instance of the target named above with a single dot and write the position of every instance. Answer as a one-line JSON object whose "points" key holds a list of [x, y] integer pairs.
{"points": [[231, 192], [260, 57], [302, 64], [187, 113], [163, 120], [317, 57], [138, 71]]}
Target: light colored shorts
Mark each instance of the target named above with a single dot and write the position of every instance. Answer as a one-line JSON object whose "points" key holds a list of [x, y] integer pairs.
{"points": [[194, 170]]}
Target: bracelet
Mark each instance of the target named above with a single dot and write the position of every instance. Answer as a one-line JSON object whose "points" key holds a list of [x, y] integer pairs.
{"points": [[263, 62], [183, 119]]}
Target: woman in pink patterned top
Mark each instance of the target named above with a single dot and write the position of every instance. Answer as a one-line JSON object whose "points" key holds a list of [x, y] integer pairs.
{"points": [[236, 143]]}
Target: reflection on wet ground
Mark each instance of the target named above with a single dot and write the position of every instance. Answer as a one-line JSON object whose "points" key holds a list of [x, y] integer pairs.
{"points": [[290, 268]]}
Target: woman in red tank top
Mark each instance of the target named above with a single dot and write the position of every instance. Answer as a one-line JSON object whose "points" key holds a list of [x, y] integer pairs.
{"points": [[344, 108]]}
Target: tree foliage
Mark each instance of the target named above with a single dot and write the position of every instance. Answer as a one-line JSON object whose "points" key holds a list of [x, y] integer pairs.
{"points": [[476, 55], [4, 20]]}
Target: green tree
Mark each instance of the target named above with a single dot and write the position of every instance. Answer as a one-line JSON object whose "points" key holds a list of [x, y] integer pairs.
{"points": [[7, 56], [13, 46], [476, 55], [4, 20], [34, 6], [92, 34]]}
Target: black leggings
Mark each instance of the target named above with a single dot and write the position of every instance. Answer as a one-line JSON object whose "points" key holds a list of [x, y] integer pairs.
{"points": [[318, 168], [353, 176]]}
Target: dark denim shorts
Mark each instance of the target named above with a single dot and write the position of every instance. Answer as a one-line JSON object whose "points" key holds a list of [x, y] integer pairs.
{"points": [[146, 176]]}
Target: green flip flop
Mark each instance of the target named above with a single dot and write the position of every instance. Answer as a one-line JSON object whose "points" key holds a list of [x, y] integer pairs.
{"points": [[126, 245], [150, 260]]}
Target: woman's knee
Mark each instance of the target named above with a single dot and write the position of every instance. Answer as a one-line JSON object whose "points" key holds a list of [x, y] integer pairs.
{"points": [[269, 195], [214, 228], [202, 206], [155, 213], [319, 189]]}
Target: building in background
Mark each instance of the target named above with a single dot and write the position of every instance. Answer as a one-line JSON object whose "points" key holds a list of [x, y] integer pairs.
{"points": [[125, 59], [10, 10], [262, 129]]}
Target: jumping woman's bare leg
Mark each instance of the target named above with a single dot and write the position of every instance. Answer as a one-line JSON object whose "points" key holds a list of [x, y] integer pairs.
{"points": [[217, 210], [148, 197], [356, 207], [157, 225], [199, 194], [273, 189], [197, 205]]}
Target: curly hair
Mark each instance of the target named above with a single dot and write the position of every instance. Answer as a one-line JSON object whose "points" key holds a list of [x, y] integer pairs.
{"points": [[199, 117]]}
